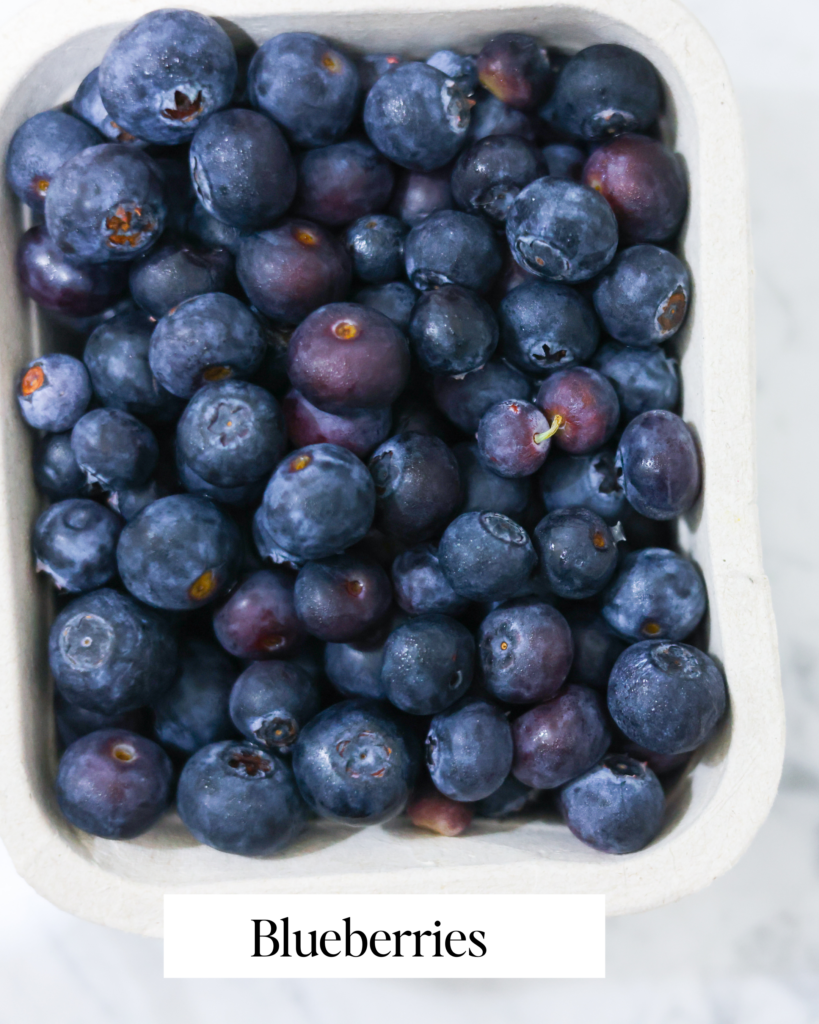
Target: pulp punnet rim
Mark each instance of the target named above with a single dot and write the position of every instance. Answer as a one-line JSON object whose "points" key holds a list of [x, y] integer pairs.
{"points": [[720, 804]]}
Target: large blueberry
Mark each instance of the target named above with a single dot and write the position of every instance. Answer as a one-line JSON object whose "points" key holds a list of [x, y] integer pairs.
{"points": [[259, 618], [339, 598], [306, 85], [88, 105], [165, 73], [193, 711], [53, 392], [617, 806], [561, 231], [417, 195], [339, 183], [239, 798], [451, 247], [355, 763], [113, 783], [106, 203], [546, 326], [272, 701], [320, 501], [525, 649], [513, 438], [584, 406], [644, 378], [428, 664], [75, 542], [114, 448], [469, 750], [486, 556], [417, 116], [453, 331], [109, 654], [39, 148], [660, 464], [207, 338], [376, 246], [515, 67], [171, 273], [488, 176], [56, 472], [179, 552], [420, 585], [577, 552], [657, 595], [665, 696]]}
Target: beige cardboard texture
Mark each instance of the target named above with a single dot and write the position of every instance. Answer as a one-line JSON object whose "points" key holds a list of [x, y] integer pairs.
{"points": [[718, 807]]}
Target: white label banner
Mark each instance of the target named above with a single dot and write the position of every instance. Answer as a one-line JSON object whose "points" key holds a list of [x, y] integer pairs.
{"points": [[385, 936]]}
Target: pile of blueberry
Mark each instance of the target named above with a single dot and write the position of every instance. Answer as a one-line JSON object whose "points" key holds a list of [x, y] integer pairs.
{"points": [[365, 466]]}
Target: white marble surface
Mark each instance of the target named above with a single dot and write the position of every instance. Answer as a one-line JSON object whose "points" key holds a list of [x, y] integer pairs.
{"points": [[745, 950]]}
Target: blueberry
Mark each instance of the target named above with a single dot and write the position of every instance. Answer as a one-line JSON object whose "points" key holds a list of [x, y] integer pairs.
{"points": [[106, 203], [463, 69], [656, 595], [605, 90], [587, 406], [116, 357], [53, 392], [643, 182], [113, 783], [588, 480], [451, 247], [239, 798], [170, 273], [72, 721], [180, 552], [259, 618], [340, 183], [431, 810], [420, 585], [371, 66], [418, 194], [453, 330], [242, 169], [108, 654], [660, 464], [486, 556], [165, 73], [339, 598], [355, 763], [428, 664], [39, 148], [464, 399], [511, 797], [211, 233], [485, 491], [665, 696], [616, 807], [596, 647], [62, 285], [231, 433], [545, 327], [290, 270], [320, 501], [272, 701], [417, 486], [114, 448], [376, 247], [644, 378], [306, 85], [207, 338], [354, 668], [194, 710], [564, 161], [488, 176], [359, 430], [561, 231], [559, 740], [88, 105], [577, 552], [395, 300], [515, 68], [642, 296], [75, 542], [56, 472], [513, 438], [129, 501], [526, 651], [345, 356], [417, 117], [469, 750], [491, 116]]}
